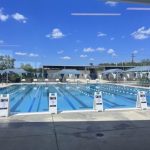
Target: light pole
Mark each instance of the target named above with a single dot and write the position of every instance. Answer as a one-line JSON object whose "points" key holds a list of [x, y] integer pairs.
{"points": [[5, 59], [117, 76]]}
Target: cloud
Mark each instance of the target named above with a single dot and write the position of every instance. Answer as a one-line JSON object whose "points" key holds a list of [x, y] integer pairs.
{"points": [[114, 55], [26, 54], [83, 56], [9, 45], [3, 17], [4, 44], [141, 34], [91, 59], [111, 3], [96, 14], [20, 53], [56, 34], [66, 58], [100, 49], [112, 52], [100, 34], [135, 52], [19, 17], [1, 41], [60, 52], [89, 49], [138, 8], [33, 55]]}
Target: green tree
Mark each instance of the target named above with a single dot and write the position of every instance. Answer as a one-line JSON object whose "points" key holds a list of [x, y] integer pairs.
{"points": [[6, 62], [145, 62], [27, 67]]}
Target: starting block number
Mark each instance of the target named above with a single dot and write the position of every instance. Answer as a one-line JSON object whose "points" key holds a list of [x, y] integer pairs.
{"points": [[4, 105], [53, 103], [98, 101], [141, 100]]}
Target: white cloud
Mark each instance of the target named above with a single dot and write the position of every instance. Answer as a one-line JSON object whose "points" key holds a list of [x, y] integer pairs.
{"points": [[9, 45], [20, 53], [100, 49], [33, 55], [96, 14], [26, 54], [60, 52], [111, 3], [92, 59], [138, 8], [66, 58], [56, 34], [1, 42], [100, 34], [4, 44], [83, 56], [89, 49], [141, 34], [3, 17], [135, 52], [112, 52], [19, 17], [114, 55]]}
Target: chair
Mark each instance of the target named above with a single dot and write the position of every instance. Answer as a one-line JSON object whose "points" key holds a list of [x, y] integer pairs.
{"points": [[23, 80], [46, 80], [57, 80], [35, 80], [87, 80], [97, 80]]}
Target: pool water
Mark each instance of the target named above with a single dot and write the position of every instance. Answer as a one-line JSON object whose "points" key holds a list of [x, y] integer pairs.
{"points": [[34, 98]]}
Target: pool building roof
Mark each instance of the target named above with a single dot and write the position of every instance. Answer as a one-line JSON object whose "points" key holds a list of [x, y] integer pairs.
{"points": [[68, 71], [140, 69], [113, 71], [15, 70]]}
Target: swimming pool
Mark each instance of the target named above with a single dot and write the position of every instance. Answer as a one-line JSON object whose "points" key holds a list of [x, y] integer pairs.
{"points": [[34, 98]]}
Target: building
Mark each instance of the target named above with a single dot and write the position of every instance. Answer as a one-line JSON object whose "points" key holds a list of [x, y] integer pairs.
{"points": [[90, 71]]}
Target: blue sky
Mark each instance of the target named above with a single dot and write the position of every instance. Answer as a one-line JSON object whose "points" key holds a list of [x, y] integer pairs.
{"points": [[74, 32]]}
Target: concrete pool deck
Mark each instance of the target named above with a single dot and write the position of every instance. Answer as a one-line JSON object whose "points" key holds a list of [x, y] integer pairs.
{"points": [[5, 84], [82, 81], [115, 130]]}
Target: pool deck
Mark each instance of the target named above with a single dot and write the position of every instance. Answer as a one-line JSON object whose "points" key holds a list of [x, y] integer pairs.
{"points": [[82, 81], [5, 84], [115, 130]]}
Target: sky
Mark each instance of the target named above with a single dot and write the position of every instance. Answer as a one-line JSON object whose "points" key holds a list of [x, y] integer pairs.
{"points": [[73, 32]]}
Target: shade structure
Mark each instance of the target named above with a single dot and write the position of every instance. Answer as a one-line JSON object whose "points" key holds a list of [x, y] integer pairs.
{"points": [[68, 71], [1, 71], [17, 71], [113, 71], [139, 69]]}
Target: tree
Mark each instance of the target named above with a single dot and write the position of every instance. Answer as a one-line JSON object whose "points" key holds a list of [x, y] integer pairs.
{"points": [[145, 62], [27, 67], [6, 62]]}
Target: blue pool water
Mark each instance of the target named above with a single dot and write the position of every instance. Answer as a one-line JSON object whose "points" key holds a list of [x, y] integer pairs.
{"points": [[34, 98]]}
